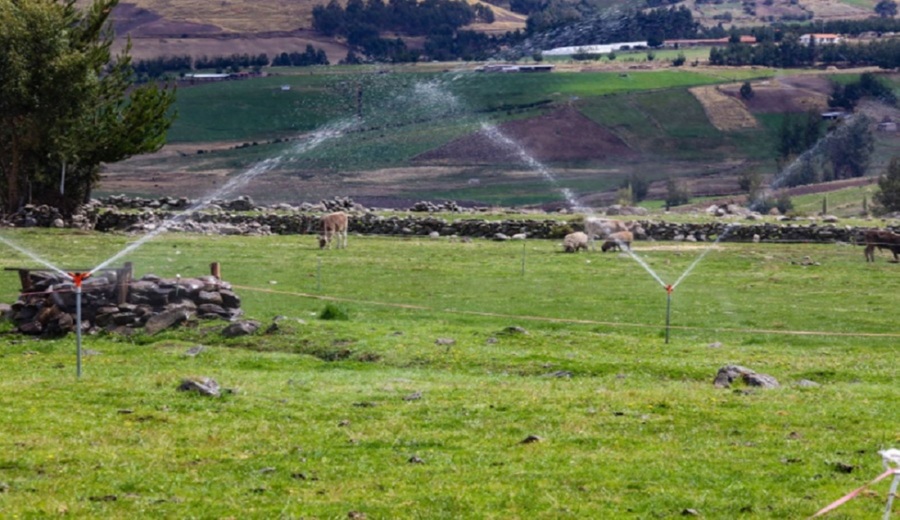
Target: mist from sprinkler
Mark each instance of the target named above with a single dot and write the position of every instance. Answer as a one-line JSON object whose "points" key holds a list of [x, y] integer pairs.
{"points": [[498, 137], [330, 132]]}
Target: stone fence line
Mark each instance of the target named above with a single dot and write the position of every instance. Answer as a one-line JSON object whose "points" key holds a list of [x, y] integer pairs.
{"points": [[243, 218]]}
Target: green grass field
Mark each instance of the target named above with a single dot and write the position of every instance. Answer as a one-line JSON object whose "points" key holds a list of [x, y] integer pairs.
{"points": [[372, 415]]}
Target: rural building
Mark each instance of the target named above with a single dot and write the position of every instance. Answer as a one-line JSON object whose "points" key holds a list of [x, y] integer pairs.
{"points": [[836, 114], [593, 49], [515, 68], [820, 39], [745, 39], [206, 77], [887, 126]]}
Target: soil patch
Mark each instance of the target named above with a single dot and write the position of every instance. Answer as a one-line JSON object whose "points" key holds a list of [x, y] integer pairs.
{"points": [[780, 96], [558, 136]]}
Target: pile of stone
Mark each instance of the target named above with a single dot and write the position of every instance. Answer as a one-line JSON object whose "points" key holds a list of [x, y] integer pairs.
{"points": [[339, 204], [111, 301], [729, 209], [432, 207]]}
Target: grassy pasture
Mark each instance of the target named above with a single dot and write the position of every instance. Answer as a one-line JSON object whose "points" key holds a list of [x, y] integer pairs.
{"points": [[322, 420]]}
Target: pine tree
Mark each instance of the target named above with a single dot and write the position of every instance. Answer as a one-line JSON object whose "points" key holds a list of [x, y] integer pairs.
{"points": [[68, 105]]}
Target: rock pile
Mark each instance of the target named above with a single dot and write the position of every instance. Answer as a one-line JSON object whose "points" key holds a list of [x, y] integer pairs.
{"points": [[111, 301], [433, 207], [339, 204]]}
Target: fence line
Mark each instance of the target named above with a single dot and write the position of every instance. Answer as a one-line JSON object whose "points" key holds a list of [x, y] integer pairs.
{"points": [[572, 320]]}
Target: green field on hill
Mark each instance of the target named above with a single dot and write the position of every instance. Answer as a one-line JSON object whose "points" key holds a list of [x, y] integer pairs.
{"points": [[421, 403], [259, 109]]}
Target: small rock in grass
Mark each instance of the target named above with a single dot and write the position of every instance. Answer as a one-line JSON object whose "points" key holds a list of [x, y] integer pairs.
{"points": [[445, 341], [844, 467], [194, 351], [531, 439], [690, 512], [204, 386], [415, 460], [415, 396]]}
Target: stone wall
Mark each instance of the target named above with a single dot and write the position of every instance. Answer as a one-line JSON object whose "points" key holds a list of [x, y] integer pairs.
{"points": [[242, 217]]}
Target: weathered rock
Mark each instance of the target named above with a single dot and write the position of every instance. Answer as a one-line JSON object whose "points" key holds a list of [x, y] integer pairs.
{"points": [[165, 320], [730, 373], [241, 328], [203, 386]]}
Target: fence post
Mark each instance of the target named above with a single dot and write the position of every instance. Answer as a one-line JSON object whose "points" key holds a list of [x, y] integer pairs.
{"points": [[123, 282], [215, 269]]}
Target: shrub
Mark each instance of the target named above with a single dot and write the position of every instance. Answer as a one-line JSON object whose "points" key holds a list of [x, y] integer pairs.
{"points": [[334, 312], [560, 231]]}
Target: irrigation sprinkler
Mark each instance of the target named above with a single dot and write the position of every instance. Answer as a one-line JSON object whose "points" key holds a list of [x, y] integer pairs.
{"points": [[669, 289], [77, 278]]}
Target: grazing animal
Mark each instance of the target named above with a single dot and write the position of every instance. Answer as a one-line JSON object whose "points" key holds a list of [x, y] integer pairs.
{"points": [[575, 241], [882, 239], [334, 224], [603, 227], [617, 240]]}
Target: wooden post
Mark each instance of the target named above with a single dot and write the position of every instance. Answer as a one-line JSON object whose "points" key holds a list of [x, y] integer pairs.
{"points": [[215, 269], [25, 279], [123, 282]]}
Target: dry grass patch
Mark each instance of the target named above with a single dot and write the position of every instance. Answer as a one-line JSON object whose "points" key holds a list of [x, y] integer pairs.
{"points": [[724, 112]]}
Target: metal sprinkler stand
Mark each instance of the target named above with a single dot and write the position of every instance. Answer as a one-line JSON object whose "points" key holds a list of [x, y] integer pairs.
{"points": [[669, 290], [77, 278]]}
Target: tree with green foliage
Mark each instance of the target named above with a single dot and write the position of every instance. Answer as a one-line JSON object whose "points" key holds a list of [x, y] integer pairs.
{"points": [[68, 106], [886, 8], [637, 187], [888, 194], [850, 148], [677, 192], [746, 90]]}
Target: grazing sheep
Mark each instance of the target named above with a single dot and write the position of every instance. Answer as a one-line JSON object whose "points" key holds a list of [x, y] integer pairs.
{"points": [[575, 241], [602, 227], [617, 240], [882, 239], [334, 224]]}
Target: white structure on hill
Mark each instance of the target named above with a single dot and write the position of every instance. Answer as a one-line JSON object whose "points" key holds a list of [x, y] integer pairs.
{"points": [[820, 38], [592, 49]]}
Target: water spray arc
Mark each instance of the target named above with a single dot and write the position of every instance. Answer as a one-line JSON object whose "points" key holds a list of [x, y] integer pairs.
{"points": [[331, 132], [77, 278], [498, 137]]}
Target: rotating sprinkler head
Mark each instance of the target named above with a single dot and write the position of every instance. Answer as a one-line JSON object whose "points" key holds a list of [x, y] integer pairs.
{"points": [[670, 288], [77, 278]]}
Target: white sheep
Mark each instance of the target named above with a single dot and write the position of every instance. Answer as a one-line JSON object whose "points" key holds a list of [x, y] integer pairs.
{"points": [[575, 241]]}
